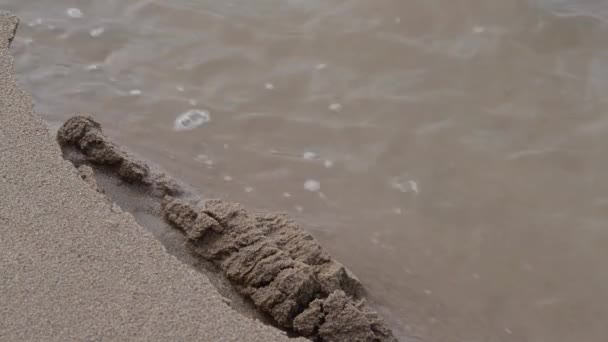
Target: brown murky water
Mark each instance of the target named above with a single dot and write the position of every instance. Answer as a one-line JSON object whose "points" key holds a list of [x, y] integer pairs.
{"points": [[452, 153]]}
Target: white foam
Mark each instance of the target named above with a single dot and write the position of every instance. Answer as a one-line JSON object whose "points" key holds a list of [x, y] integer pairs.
{"points": [[180, 88], [328, 163], [74, 12], [309, 155], [227, 178], [191, 120], [269, 86], [201, 158], [336, 107], [299, 208], [405, 185], [96, 32], [479, 29], [135, 92], [92, 67], [248, 189], [413, 186], [312, 185], [321, 66], [36, 22], [192, 102], [286, 194]]}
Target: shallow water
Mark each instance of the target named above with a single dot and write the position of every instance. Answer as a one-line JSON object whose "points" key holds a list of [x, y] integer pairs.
{"points": [[451, 153]]}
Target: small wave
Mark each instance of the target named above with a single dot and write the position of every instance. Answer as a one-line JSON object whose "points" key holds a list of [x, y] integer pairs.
{"points": [[597, 9]]}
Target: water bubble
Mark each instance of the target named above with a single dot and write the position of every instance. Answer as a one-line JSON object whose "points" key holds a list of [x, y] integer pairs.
{"points": [[309, 155], [328, 163], [397, 211], [299, 208], [227, 178], [192, 102], [74, 12], [96, 32], [226, 146], [135, 92], [286, 194], [312, 185], [191, 120], [180, 88], [321, 66], [397, 20], [248, 189], [336, 107], [269, 86], [51, 27]]}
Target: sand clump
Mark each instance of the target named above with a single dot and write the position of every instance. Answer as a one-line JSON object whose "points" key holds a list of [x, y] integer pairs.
{"points": [[84, 134], [267, 258], [281, 268]]}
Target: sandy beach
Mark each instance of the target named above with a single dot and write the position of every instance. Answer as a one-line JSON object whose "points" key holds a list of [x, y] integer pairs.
{"points": [[73, 266]]}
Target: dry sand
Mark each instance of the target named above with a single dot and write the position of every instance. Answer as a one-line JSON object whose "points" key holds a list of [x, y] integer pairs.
{"points": [[73, 266]]}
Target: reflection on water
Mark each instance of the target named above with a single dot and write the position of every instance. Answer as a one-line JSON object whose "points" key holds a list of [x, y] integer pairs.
{"points": [[452, 153]]}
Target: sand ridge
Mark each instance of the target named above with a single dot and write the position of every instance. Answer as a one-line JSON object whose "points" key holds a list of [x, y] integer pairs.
{"points": [[267, 257]]}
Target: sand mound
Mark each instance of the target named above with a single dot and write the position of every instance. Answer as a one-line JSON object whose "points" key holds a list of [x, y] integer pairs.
{"points": [[281, 268], [267, 257]]}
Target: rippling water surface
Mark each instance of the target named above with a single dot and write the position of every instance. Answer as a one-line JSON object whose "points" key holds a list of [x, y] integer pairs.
{"points": [[452, 153]]}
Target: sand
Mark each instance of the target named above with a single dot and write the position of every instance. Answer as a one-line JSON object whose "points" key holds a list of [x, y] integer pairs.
{"points": [[74, 266], [268, 258]]}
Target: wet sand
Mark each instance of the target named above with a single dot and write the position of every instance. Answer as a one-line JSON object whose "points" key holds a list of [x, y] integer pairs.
{"points": [[75, 267], [266, 257]]}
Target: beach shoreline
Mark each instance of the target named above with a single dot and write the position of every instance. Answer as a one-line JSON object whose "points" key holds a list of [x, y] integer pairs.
{"points": [[76, 267], [94, 192]]}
